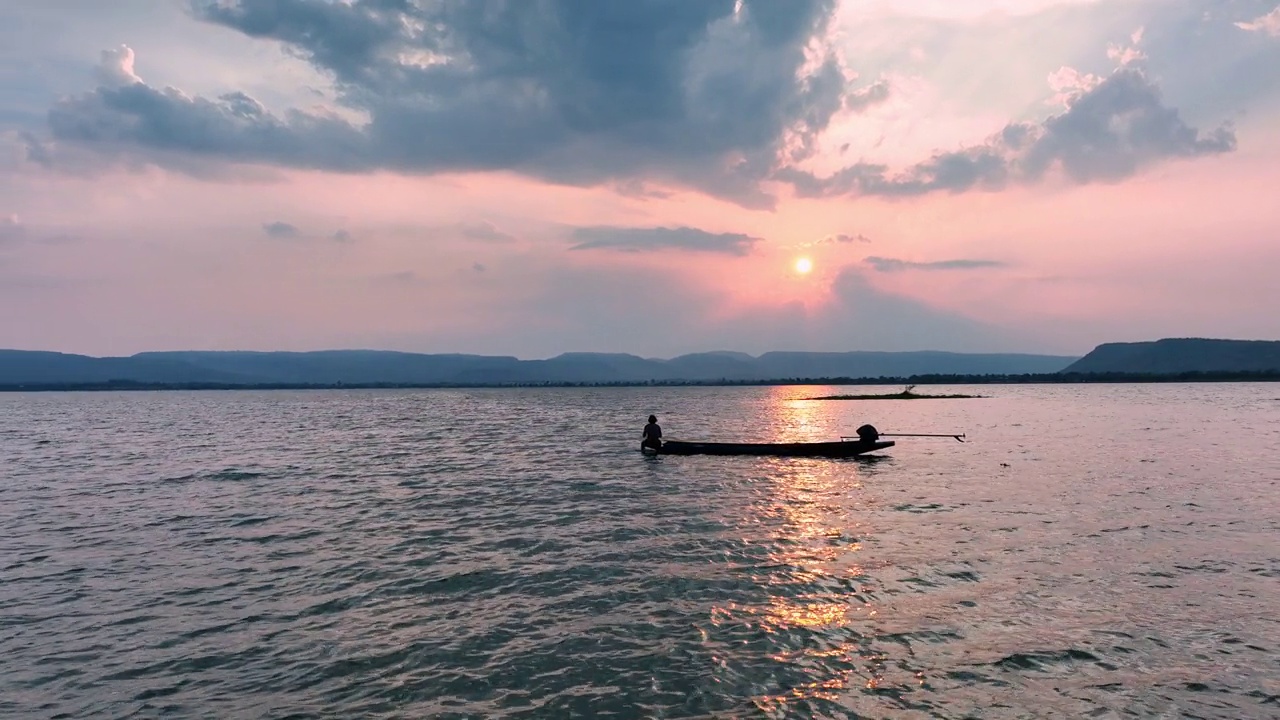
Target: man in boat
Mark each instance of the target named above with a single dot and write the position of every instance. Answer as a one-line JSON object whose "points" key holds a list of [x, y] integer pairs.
{"points": [[652, 435]]}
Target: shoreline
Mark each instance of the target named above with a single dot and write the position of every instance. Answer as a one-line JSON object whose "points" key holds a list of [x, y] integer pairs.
{"points": [[1043, 379]]}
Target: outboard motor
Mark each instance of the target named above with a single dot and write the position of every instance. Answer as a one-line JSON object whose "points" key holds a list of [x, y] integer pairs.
{"points": [[868, 433]]}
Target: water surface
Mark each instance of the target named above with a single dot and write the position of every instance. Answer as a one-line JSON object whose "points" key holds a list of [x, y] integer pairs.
{"points": [[1091, 551]]}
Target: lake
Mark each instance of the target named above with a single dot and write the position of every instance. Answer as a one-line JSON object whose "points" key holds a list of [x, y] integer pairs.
{"points": [[1090, 551]]}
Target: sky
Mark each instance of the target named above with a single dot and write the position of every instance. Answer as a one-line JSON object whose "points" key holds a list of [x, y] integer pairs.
{"points": [[653, 177]]}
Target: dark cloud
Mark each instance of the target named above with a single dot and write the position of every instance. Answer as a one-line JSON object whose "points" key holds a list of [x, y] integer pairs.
{"points": [[287, 231], [1108, 133], [648, 92], [1208, 67], [660, 238], [281, 230], [698, 93], [893, 265], [1111, 132], [863, 317], [478, 267], [233, 127], [634, 188], [864, 98]]}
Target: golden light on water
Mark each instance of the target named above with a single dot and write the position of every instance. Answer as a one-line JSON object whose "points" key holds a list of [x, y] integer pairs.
{"points": [[814, 604], [810, 615]]}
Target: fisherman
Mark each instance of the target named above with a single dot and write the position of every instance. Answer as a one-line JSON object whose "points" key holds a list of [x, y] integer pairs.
{"points": [[652, 435]]}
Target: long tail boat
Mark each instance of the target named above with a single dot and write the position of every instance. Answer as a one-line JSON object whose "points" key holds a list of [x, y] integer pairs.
{"points": [[868, 440], [839, 449]]}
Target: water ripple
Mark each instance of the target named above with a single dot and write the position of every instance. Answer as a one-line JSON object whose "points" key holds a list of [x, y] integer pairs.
{"points": [[508, 554]]}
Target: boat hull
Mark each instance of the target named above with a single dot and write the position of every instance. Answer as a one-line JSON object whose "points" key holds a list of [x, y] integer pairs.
{"points": [[840, 449]]}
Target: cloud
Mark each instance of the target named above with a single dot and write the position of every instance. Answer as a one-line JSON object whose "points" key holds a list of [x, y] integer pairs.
{"points": [[234, 127], [893, 265], [1128, 54], [116, 68], [836, 239], [843, 238], [484, 231], [705, 94], [1109, 132], [1268, 24], [281, 230], [598, 309], [400, 278], [11, 228], [478, 267], [864, 98], [660, 238], [287, 231], [1069, 84], [865, 317], [634, 188]]}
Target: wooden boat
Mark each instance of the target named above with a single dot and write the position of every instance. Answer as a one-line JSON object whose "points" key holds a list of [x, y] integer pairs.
{"points": [[839, 449]]}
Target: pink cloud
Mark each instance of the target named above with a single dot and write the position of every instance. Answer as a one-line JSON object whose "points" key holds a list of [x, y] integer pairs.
{"points": [[1268, 24], [1069, 84]]}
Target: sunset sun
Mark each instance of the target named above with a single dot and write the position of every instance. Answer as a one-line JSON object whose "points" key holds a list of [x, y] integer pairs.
{"points": [[804, 266]]}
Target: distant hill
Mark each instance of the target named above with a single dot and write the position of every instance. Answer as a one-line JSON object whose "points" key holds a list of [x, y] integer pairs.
{"points": [[1181, 355], [19, 366], [354, 367]]}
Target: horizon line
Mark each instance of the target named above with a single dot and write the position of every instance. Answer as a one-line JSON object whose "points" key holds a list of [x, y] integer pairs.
{"points": [[550, 357], [631, 354]]}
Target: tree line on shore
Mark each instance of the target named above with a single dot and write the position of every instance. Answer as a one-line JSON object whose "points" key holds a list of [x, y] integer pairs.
{"points": [[934, 379]]}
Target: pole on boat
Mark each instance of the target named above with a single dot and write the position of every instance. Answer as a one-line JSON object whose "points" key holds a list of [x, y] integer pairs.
{"points": [[959, 438]]}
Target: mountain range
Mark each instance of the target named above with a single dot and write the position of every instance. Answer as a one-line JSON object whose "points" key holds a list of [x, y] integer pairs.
{"points": [[1172, 356], [354, 367], [1166, 357]]}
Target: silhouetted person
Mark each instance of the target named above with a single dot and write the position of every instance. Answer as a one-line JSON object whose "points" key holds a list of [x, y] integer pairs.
{"points": [[652, 435]]}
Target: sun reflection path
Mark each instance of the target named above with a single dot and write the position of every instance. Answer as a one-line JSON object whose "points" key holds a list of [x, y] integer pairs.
{"points": [[815, 621], [792, 418]]}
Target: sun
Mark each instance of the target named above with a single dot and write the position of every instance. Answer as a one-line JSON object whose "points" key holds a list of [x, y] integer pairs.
{"points": [[804, 266]]}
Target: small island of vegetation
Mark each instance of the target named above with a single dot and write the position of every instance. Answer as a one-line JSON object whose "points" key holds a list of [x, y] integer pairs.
{"points": [[906, 394]]}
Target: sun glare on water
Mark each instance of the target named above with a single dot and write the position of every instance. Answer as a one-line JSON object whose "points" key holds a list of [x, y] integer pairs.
{"points": [[804, 266]]}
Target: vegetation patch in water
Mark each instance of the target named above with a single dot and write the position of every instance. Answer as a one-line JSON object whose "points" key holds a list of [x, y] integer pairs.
{"points": [[906, 394]]}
